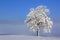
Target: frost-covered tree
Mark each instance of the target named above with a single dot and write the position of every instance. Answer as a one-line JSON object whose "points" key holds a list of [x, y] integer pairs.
{"points": [[38, 18]]}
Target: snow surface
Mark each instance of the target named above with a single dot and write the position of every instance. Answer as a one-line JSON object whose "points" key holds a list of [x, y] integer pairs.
{"points": [[24, 37]]}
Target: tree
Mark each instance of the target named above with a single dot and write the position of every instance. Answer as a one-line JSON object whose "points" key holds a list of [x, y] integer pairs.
{"points": [[37, 18]]}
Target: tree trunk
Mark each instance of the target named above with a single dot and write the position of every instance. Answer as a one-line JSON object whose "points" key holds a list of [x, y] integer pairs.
{"points": [[37, 33]]}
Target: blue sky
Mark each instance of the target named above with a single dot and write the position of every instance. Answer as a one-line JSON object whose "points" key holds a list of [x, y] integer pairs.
{"points": [[18, 9], [15, 11]]}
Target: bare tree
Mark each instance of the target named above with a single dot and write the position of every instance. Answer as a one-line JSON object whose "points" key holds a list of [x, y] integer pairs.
{"points": [[37, 18]]}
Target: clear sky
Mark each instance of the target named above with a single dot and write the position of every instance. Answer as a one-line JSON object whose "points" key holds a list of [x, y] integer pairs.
{"points": [[17, 10]]}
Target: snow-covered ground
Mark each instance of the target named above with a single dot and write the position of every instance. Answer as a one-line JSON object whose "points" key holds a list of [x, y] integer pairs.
{"points": [[22, 37]]}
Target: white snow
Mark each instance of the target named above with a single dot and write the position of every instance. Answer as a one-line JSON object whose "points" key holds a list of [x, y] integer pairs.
{"points": [[24, 37]]}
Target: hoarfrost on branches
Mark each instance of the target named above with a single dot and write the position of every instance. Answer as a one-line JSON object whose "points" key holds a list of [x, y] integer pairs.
{"points": [[38, 17]]}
